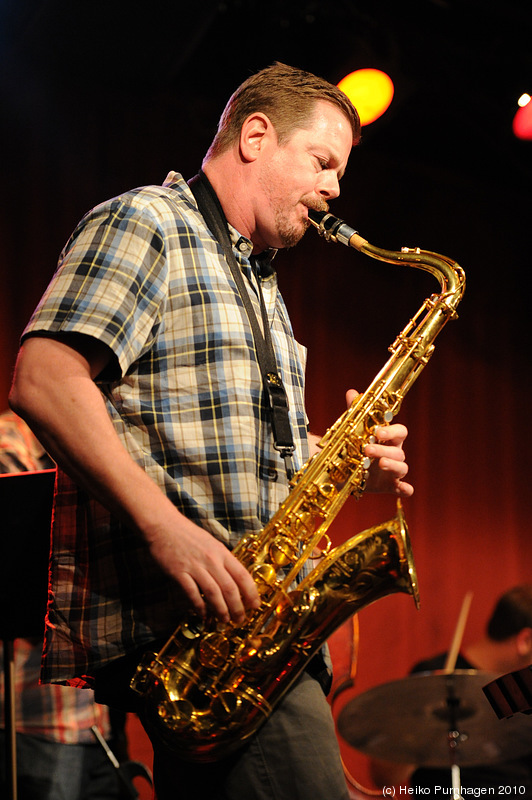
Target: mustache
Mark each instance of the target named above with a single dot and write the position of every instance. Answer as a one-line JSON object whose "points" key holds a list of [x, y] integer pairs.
{"points": [[317, 205]]}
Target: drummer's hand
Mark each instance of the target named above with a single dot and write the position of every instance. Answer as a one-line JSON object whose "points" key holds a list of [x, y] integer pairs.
{"points": [[388, 468]]}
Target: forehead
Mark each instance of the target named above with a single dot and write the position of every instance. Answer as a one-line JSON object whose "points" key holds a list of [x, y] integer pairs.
{"points": [[330, 128], [330, 117], [328, 109]]}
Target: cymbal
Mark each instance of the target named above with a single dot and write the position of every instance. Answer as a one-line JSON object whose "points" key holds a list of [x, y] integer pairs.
{"points": [[408, 721]]}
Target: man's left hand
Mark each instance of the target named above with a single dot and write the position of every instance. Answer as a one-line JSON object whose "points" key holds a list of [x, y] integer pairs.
{"points": [[389, 467]]}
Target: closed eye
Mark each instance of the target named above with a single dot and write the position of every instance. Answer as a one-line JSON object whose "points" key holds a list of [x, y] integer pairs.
{"points": [[329, 163]]}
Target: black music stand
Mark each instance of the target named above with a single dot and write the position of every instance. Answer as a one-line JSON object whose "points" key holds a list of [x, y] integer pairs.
{"points": [[26, 509]]}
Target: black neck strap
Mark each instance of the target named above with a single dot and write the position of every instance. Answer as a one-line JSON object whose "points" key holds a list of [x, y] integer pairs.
{"points": [[213, 214]]}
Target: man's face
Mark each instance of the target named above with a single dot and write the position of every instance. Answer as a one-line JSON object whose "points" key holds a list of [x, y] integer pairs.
{"points": [[302, 173]]}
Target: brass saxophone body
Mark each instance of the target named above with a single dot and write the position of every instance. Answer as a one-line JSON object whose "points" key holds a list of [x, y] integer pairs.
{"points": [[213, 684]]}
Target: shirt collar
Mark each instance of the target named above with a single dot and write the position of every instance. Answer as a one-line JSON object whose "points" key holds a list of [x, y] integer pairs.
{"points": [[241, 243], [244, 246]]}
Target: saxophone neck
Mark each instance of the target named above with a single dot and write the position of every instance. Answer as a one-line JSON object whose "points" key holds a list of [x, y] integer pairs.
{"points": [[450, 275]]}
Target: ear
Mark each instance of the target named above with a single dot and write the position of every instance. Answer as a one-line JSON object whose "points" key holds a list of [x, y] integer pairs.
{"points": [[524, 642], [256, 133]]}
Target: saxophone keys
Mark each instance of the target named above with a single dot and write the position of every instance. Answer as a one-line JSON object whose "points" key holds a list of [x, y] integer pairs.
{"points": [[213, 650], [192, 628], [226, 706], [265, 576], [177, 715], [283, 551], [297, 604], [256, 651]]}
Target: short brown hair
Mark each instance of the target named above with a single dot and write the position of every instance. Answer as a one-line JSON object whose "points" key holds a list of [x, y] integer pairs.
{"points": [[287, 96], [512, 613]]}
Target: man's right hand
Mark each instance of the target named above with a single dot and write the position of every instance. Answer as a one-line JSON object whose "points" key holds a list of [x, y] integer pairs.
{"points": [[207, 572]]}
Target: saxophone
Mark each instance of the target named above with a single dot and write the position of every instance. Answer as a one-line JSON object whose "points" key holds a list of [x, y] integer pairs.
{"points": [[213, 684]]}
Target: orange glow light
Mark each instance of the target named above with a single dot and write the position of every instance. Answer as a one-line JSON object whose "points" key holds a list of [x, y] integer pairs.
{"points": [[370, 91]]}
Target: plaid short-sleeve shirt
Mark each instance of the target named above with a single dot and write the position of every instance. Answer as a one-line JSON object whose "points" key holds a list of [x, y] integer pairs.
{"points": [[143, 274]]}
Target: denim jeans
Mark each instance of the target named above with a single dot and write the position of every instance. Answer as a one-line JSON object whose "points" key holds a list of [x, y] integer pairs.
{"points": [[294, 756], [51, 771]]}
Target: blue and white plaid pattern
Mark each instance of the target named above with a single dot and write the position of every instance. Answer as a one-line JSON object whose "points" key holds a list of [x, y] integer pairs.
{"points": [[143, 274]]}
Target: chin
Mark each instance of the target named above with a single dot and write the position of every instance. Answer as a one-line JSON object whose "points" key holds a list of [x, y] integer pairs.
{"points": [[290, 235]]}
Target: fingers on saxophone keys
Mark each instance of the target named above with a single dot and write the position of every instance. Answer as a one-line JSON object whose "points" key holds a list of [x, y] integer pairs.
{"points": [[245, 585], [388, 455], [193, 593], [391, 434], [230, 593]]}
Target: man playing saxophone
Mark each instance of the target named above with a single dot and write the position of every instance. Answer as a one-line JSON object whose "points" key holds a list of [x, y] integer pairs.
{"points": [[139, 373]]}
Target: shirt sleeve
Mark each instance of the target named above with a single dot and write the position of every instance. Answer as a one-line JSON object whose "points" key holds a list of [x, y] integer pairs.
{"points": [[111, 281]]}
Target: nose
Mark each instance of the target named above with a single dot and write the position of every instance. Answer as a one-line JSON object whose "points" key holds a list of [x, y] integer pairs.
{"points": [[328, 184]]}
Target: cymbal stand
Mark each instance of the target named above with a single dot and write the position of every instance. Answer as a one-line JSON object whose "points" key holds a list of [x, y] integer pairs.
{"points": [[454, 737]]}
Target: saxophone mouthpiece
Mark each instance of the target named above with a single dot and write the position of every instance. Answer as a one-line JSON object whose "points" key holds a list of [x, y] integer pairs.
{"points": [[317, 217], [334, 229]]}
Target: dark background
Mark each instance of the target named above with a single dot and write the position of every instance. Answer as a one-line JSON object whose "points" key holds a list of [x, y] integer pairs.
{"points": [[100, 97], [103, 97]]}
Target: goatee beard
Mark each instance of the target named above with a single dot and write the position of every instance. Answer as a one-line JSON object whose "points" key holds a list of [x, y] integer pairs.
{"points": [[290, 235]]}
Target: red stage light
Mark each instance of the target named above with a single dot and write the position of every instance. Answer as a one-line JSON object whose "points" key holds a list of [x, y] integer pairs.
{"points": [[522, 124]]}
